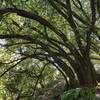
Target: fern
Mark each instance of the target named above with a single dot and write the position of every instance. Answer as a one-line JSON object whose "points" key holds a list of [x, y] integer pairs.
{"points": [[78, 94]]}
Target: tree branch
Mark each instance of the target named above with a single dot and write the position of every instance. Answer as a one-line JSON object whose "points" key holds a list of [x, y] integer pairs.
{"points": [[12, 67], [73, 13], [33, 16], [39, 78], [93, 12], [17, 36]]}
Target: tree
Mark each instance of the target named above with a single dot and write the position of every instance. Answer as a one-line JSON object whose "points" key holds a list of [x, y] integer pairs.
{"points": [[62, 33]]}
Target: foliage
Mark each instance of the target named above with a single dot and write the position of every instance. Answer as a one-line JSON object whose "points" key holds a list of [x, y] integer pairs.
{"points": [[79, 94], [28, 81], [40, 36]]}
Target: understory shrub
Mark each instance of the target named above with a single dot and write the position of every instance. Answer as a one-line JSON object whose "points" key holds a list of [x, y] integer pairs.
{"points": [[79, 94]]}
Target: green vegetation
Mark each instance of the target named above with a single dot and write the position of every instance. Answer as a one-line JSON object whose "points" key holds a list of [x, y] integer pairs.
{"points": [[48, 47], [79, 94]]}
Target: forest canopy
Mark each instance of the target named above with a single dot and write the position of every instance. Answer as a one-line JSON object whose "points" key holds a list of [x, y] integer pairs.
{"points": [[47, 43]]}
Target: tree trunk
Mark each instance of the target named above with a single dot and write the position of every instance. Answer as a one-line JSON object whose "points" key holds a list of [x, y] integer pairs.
{"points": [[86, 75]]}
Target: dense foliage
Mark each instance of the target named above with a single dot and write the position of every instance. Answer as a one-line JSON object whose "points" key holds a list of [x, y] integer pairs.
{"points": [[45, 42], [79, 94]]}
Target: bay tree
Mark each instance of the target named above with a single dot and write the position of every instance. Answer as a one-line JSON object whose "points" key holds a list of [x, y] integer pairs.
{"points": [[63, 33]]}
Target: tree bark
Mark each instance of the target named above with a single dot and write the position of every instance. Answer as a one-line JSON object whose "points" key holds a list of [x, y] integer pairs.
{"points": [[87, 76]]}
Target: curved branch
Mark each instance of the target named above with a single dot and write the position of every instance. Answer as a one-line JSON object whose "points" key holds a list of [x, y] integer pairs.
{"points": [[12, 66], [17, 36], [33, 16], [39, 76], [73, 13], [69, 18], [14, 44], [2, 63]]}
